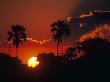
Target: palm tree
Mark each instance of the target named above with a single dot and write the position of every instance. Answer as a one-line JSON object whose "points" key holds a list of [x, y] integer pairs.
{"points": [[10, 35], [17, 35], [59, 30]]}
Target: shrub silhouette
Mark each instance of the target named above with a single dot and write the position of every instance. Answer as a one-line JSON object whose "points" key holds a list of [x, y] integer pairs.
{"points": [[94, 66]]}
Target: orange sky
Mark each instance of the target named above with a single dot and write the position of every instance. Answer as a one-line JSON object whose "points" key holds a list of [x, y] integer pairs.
{"points": [[36, 16], [29, 49]]}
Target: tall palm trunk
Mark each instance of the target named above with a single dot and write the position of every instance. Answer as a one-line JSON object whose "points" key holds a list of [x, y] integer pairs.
{"points": [[16, 52], [9, 48], [58, 46]]}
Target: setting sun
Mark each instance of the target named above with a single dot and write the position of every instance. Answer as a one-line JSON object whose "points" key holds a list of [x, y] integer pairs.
{"points": [[33, 62]]}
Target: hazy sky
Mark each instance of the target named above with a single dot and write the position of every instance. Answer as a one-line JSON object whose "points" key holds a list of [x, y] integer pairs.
{"points": [[35, 15], [38, 15]]}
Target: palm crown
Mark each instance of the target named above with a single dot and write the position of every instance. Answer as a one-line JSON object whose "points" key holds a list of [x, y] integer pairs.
{"points": [[17, 35], [59, 30]]}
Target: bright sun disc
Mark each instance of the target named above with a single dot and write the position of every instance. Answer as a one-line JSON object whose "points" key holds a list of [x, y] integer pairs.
{"points": [[33, 62]]}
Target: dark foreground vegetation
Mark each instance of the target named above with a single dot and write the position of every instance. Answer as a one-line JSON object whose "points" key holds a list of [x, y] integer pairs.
{"points": [[92, 65]]}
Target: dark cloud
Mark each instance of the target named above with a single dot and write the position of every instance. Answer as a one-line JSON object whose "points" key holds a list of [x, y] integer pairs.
{"points": [[86, 6]]}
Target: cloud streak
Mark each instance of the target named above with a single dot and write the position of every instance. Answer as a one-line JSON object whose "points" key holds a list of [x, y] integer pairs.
{"points": [[98, 32]]}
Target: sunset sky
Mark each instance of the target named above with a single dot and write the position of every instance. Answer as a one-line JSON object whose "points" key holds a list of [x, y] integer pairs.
{"points": [[37, 16]]}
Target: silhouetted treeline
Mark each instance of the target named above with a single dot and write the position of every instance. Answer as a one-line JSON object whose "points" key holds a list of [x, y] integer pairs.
{"points": [[86, 61]]}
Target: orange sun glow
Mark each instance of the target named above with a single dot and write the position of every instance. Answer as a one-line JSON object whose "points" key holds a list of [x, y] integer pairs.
{"points": [[33, 62]]}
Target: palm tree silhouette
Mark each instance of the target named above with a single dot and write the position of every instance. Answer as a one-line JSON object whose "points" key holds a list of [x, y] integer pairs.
{"points": [[59, 30], [10, 35], [17, 35]]}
